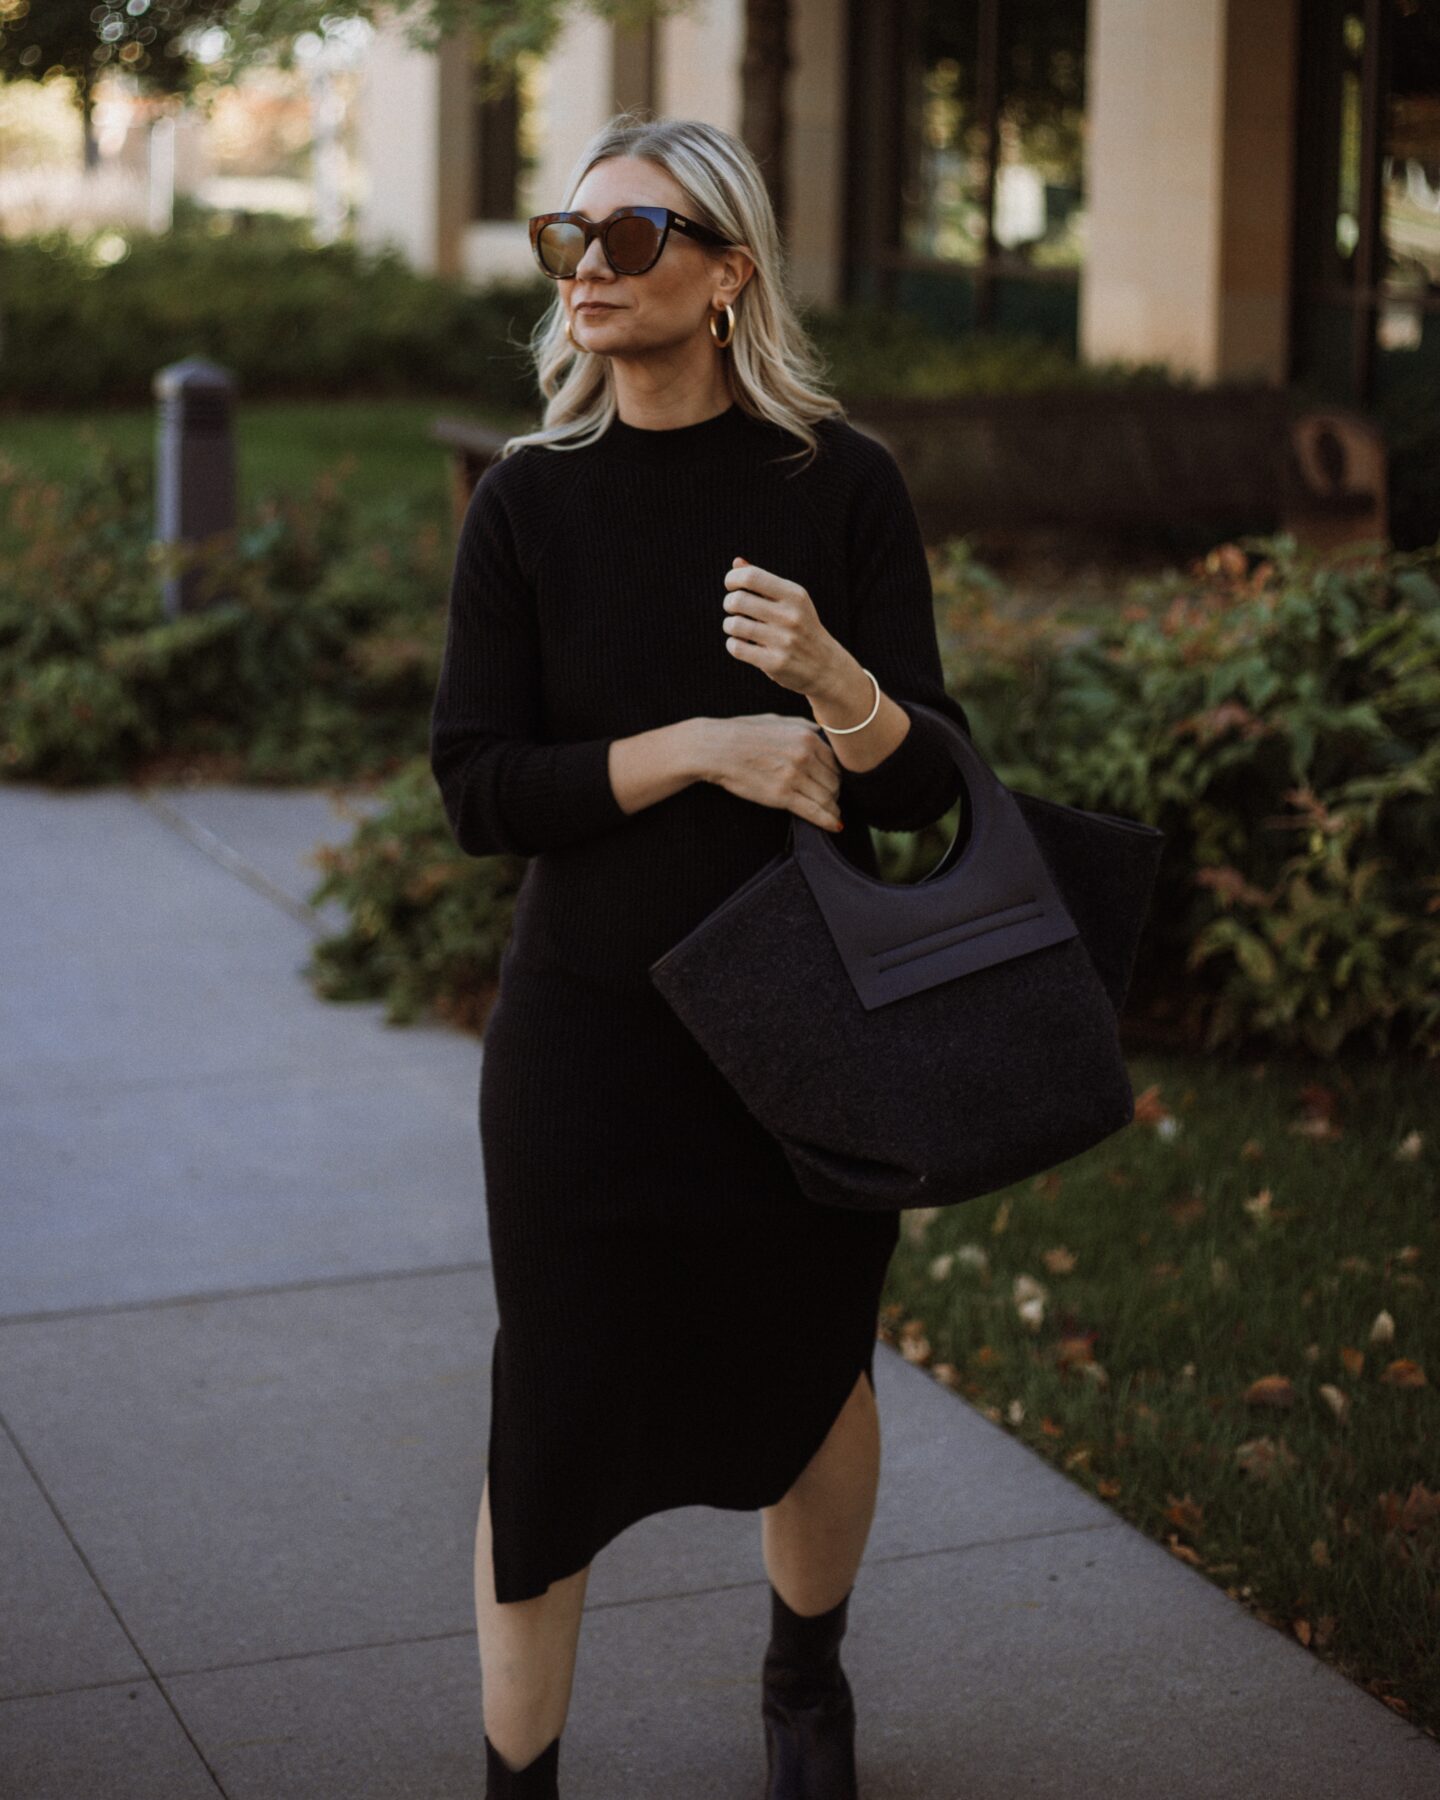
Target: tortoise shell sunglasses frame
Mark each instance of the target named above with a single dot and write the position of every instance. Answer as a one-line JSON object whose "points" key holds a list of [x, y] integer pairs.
{"points": [[663, 218]]}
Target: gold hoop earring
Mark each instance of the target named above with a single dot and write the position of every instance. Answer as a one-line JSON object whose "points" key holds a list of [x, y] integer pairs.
{"points": [[730, 317], [568, 332]]}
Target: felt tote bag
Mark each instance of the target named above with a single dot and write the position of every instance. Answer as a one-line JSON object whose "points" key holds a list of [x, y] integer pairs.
{"points": [[922, 1044]]}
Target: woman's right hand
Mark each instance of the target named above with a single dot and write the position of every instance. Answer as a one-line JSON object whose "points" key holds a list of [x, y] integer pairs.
{"points": [[773, 759]]}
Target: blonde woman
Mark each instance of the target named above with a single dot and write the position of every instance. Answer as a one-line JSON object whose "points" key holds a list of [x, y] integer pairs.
{"points": [[665, 601]]}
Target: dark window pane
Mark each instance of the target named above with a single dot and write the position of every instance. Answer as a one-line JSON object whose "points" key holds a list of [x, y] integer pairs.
{"points": [[950, 69], [506, 147], [1038, 184], [1410, 177], [942, 194]]}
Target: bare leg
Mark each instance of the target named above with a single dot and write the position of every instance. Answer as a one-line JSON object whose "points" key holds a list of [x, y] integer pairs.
{"points": [[814, 1538], [527, 1654]]}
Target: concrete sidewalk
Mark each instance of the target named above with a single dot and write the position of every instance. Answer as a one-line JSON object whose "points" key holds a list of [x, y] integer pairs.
{"points": [[245, 1323]]}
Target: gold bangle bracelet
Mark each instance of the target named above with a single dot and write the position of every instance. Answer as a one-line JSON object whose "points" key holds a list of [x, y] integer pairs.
{"points": [[842, 730]]}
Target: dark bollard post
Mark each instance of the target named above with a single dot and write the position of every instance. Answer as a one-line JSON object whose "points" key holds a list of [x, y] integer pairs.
{"points": [[194, 464]]}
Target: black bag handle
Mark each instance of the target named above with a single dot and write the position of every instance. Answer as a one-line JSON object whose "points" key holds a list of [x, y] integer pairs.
{"points": [[998, 900]]}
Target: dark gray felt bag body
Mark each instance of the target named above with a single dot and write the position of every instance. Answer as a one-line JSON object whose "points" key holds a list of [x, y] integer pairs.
{"points": [[922, 1044]]}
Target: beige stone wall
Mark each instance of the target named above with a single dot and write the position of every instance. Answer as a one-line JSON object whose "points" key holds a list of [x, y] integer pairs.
{"points": [[1188, 184], [699, 75], [400, 148], [816, 162]]}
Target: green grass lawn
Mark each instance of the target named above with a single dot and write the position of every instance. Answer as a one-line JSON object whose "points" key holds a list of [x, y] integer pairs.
{"points": [[1223, 1322], [280, 446]]}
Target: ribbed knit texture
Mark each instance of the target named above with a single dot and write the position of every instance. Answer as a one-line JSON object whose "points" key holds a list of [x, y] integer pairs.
{"points": [[586, 605], [679, 1324]]}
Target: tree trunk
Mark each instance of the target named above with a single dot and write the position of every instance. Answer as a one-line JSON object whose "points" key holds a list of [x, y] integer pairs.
{"points": [[764, 68]]}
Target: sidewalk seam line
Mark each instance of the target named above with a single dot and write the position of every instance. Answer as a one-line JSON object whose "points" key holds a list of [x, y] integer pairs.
{"points": [[229, 859]]}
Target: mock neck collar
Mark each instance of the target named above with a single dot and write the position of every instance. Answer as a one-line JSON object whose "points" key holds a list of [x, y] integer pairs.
{"points": [[722, 431]]}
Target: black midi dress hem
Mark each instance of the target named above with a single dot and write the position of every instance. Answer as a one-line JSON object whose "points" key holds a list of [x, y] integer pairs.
{"points": [[517, 1578]]}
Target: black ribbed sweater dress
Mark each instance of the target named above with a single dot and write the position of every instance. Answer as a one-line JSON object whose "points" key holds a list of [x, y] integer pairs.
{"points": [[678, 1324]]}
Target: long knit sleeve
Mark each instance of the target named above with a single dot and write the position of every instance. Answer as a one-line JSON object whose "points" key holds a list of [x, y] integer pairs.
{"points": [[503, 786], [893, 635]]}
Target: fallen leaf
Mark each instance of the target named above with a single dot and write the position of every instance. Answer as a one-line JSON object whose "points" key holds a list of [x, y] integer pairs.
{"points": [[914, 1345], [1337, 1400], [1265, 1458], [1352, 1361], [941, 1266], [1185, 1514], [1183, 1551], [1015, 1412], [1050, 1428], [1002, 1217], [947, 1373], [1188, 1211], [1323, 1130], [1383, 1330], [1074, 1350], [1318, 1100], [1409, 1147], [1301, 1628], [1252, 1150], [1059, 1261], [1270, 1390], [1258, 1205], [1320, 1554], [1404, 1373], [1107, 1487], [1149, 1108]]}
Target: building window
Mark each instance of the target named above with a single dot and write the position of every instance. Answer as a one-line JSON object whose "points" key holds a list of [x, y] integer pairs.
{"points": [[506, 131], [1367, 197], [966, 166]]}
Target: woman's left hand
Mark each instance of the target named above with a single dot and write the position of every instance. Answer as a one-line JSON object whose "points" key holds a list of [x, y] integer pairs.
{"points": [[772, 623]]}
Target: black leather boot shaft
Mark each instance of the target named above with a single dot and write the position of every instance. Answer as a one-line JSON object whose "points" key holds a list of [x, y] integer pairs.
{"points": [[538, 1780], [807, 1706]]}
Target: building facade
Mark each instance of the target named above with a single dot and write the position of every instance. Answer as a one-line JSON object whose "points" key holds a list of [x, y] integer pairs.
{"points": [[1235, 188]]}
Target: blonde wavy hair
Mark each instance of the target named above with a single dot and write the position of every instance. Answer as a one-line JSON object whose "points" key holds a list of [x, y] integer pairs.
{"points": [[775, 370]]}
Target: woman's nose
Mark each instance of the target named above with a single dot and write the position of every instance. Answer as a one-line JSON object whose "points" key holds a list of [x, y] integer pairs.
{"points": [[593, 261]]}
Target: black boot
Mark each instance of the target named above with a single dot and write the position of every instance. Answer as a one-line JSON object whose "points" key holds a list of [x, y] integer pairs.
{"points": [[538, 1780], [807, 1706]]}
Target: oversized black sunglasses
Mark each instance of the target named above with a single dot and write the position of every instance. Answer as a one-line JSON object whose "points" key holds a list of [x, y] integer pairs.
{"points": [[631, 238]]}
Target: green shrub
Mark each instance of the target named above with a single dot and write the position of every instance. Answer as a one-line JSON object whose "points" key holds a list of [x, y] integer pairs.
{"points": [[285, 317], [1277, 714], [427, 922], [313, 658]]}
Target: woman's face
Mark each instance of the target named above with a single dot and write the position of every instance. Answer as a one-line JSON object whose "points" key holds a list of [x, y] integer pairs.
{"points": [[670, 302]]}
